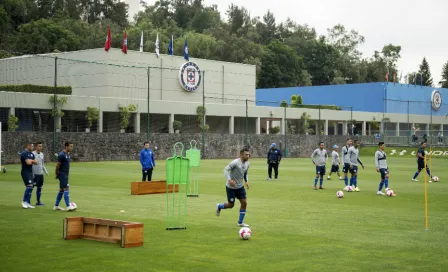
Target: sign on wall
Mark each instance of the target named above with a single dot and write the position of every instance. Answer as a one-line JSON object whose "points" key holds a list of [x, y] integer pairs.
{"points": [[414, 153], [190, 76], [436, 100]]}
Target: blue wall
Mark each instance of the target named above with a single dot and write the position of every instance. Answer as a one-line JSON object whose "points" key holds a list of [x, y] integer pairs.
{"points": [[414, 93], [363, 97]]}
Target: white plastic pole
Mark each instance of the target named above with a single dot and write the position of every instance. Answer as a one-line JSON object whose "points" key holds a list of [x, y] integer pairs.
{"points": [[1, 168]]}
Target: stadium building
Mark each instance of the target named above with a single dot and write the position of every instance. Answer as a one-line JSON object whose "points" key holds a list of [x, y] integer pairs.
{"points": [[176, 87]]}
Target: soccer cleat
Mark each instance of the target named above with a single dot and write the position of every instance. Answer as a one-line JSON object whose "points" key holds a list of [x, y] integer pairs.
{"points": [[57, 208], [321, 188], [380, 193], [24, 205], [71, 208], [40, 204], [276, 178], [414, 179], [340, 178], [243, 225], [268, 179], [29, 206], [218, 210], [356, 189], [315, 188]]}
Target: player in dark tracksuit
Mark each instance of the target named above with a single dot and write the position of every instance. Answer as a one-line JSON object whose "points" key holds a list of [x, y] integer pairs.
{"points": [[274, 157]]}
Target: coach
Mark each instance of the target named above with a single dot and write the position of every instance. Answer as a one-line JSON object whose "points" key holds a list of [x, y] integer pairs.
{"points": [[274, 158], [147, 162]]}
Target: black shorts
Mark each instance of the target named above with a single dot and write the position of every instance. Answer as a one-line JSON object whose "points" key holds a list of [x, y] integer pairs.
{"points": [[38, 180], [320, 170], [384, 172], [335, 168], [27, 179], [353, 170], [63, 180], [421, 165], [346, 167], [239, 193]]}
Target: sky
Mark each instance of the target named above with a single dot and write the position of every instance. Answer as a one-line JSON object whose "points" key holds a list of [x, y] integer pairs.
{"points": [[419, 27]]}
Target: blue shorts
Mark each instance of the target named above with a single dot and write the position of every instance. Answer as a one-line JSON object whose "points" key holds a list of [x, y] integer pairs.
{"points": [[353, 170], [384, 172], [421, 165], [27, 178], [320, 170], [63, 180], [235, 193], [334, 168], [346, 167]]}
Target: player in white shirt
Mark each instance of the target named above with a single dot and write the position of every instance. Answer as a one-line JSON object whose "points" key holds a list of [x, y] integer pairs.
{"points": [[335, 162]]}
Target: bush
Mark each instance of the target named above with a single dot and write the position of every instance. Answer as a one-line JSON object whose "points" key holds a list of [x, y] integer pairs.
{"points": [[29, 88], [322, 107], [12, 123], [274, 130]]}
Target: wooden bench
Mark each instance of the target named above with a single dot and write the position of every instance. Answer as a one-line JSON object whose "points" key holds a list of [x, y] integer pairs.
{"points": [[127, 234], [151, 187]]}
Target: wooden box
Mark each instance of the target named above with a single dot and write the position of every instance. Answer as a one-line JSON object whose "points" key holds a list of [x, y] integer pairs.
{"points": [[151, 187], [127, 234]]}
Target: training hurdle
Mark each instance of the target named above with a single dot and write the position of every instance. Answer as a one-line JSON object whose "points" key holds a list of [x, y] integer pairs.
{"points": [[151, 187], [126, 234]]}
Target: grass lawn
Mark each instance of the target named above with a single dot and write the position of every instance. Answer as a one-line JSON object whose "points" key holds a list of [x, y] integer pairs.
{"points": [[294, 228]]}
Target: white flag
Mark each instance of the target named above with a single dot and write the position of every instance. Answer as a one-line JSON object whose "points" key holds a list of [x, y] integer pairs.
{"points": [[157, 45], [141, 43]]}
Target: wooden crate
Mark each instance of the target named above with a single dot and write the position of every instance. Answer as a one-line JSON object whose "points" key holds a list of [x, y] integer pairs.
{"points": [[127, 234], [151, 187]]}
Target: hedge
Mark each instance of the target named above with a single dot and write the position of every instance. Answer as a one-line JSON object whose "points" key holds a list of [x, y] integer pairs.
{"points": [[323, 107], [28, 88]]}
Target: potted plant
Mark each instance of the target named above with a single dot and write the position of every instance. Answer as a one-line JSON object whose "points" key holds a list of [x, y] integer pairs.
{"points": [[57, 112], [92, 115], [12, 123], [125, 115], [177, 125]]}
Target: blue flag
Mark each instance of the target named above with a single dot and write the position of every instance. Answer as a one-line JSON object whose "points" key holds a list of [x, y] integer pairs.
{"points": [[186, 55], [170, 47]]}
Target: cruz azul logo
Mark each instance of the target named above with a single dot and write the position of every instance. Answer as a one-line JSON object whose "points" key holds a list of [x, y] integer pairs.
{"points": [[436, 100], [414, 153], [190, 76]]}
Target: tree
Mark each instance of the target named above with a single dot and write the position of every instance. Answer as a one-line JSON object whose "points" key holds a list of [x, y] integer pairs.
{"points": [[281, 67], [444, 81], [426, 78]]}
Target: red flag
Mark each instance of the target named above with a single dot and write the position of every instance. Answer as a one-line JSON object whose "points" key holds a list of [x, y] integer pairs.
{"points": [[387, 77], [124, 45], [395, 77], [108, 40]]}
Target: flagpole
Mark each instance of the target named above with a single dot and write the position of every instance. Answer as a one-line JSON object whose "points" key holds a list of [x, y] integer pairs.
{"points": [[148, 129]]}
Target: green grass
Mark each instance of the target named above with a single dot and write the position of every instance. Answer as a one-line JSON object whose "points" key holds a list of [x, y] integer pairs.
{"points": [[294, 227]]}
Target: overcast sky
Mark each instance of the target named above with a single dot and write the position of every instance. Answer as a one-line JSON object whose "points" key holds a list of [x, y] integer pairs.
{"points": [[420, 27]]}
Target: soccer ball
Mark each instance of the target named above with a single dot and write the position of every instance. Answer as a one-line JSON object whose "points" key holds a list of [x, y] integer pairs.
{"points": [[390, 192], [340, 194], [435, 179], [74, 205], [348, 188], [245, 233]]}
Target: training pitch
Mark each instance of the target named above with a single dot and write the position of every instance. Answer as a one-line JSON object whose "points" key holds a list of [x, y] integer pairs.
{"points": [[294, 228]]}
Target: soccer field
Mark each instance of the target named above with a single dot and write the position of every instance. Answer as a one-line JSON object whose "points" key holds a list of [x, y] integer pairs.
{"points": [[294, 228]]}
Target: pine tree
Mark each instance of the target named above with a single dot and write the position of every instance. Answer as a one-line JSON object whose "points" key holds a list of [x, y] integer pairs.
{"points": [[425, 74], [444, 82]]}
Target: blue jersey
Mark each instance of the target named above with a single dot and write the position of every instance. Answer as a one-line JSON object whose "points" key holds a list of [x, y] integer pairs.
{"points": [[421, 151], [26, 155], [64, 160]]}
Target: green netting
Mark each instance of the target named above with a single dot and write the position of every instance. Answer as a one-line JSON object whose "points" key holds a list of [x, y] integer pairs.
{"points": [[177, 175]]}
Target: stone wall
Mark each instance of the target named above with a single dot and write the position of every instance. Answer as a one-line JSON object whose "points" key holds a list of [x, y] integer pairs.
{"points": [[125, 147]]}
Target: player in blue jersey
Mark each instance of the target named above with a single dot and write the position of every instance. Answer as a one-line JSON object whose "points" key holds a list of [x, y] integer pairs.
{"points": [[27, 159], [62, 172], [236, 177], [421, 162]]}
